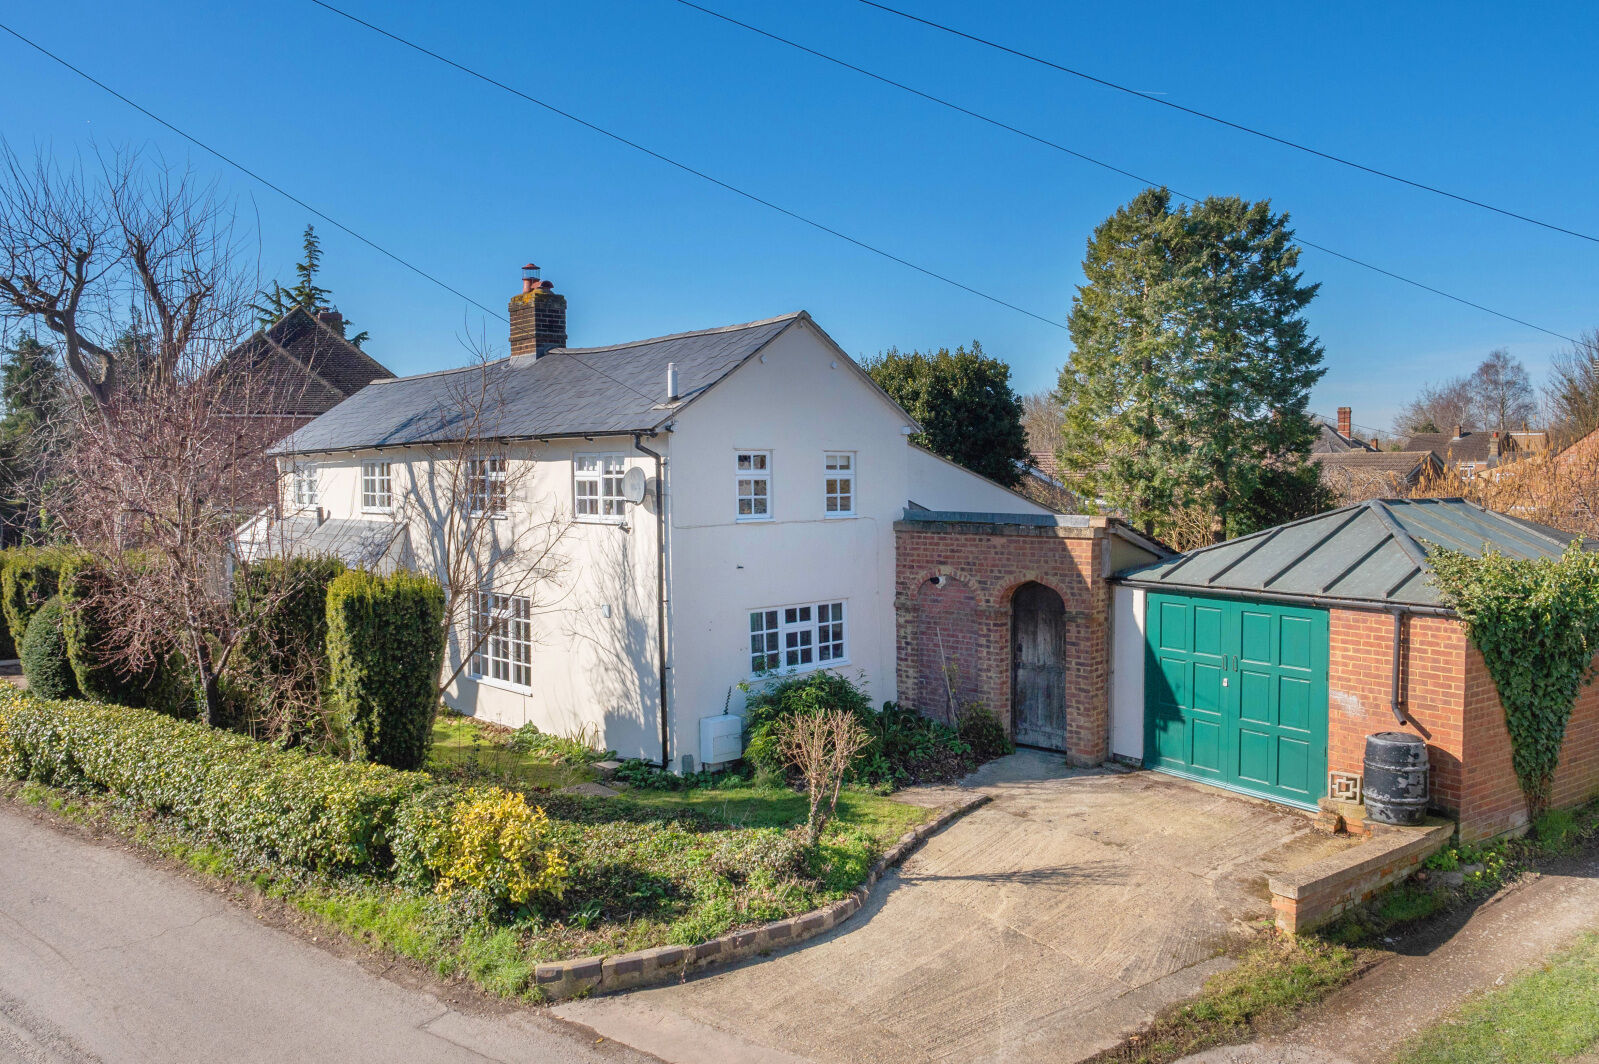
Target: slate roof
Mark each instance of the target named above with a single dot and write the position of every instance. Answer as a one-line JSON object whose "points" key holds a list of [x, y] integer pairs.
{"points": [[381, 546], [590, 391], [1468, 447], [1330, 441], [299, 367], [1372, 553]]}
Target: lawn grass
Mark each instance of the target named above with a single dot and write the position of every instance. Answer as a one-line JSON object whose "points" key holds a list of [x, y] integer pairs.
{"points": [[464, 749], [1545, 1015]]}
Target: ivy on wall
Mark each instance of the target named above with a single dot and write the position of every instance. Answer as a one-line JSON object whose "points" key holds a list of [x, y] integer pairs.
{"points": [[1536, 623]]}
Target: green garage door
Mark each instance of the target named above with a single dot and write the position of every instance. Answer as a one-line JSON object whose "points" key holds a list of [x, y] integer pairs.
{"points": [[1235, 693]]}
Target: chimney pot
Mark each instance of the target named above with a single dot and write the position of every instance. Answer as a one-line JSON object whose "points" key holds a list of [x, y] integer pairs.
{"points": [[1346, 422], [530, 277]]}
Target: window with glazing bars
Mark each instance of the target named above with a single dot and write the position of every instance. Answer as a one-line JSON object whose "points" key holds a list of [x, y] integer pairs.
{"points": [[502, 638]]}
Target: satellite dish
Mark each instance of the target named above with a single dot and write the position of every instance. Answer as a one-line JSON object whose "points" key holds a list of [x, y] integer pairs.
{"points": [[633, 482]]}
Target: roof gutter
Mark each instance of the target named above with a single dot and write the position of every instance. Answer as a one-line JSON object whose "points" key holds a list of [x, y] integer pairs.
{"points": [[398, 444], [1321, 601], [660, 597]]}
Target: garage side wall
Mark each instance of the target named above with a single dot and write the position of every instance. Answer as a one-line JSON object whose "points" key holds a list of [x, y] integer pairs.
{"points": [[964, 620], [1359, 677]]}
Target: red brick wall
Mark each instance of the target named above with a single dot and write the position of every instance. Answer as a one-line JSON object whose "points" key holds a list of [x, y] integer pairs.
{"points": [[1359, 691], [982, 566]]}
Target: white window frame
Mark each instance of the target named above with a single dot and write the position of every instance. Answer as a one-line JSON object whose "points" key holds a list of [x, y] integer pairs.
{"points": [[304, 483], [607, 505], [502, 639], [799, 637], [486, 485], [752, 484], [839, 470], [377, 485]]}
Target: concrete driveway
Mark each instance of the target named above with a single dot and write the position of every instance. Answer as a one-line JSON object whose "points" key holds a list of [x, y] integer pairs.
{"points": [[1040, 927]]}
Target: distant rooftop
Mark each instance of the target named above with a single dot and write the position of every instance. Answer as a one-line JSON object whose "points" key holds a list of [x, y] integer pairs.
{"points": [[1374, 552]]}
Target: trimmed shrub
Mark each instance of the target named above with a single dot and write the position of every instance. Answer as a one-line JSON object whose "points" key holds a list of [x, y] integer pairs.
{"points": [[29, 577], [8, 643], [283, 658], [88, 634], [482, 840], [45, 664], [905, 746], [981, 730], [257, 800], [385, 650]]}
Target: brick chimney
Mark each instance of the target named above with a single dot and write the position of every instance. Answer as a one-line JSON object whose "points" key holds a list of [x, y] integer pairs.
{"points": [[538, 316], [332, 319], [1345, 422]]}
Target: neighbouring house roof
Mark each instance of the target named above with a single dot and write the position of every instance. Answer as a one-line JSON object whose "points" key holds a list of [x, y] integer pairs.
{"points": [[1469, 446], [594, 391], [298, 367], [1330, 441], [1114, 526], [1372, 553], [1379, 472], [379, 545]]}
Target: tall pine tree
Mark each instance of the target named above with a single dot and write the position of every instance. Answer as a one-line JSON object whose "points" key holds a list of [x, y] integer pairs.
{"points": [[33, 391], [1192, 361], [278, 300]]}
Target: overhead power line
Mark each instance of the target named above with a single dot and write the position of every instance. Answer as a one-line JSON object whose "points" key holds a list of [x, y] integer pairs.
{"points": [[1113, 168], [1239, 126], [292, 198], [685, 167]]}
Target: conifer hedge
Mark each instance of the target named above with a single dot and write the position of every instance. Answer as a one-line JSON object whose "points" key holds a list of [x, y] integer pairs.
{"points": [[385, 650], [44, 653], [29, 577]]}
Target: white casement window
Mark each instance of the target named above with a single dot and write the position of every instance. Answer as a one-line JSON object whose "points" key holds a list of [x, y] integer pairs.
{"points": [[840, 483], [597, 486], [305, 484], [377, 485], [753, 474], [502, 638], [485, 484], [798, 637]]}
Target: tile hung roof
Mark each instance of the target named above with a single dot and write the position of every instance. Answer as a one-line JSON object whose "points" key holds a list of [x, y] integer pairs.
{"points": [[591, 391], [1372, 553], [301, 366]]}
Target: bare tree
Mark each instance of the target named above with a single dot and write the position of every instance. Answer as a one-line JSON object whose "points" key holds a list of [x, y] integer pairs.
{"points": [[1503, 393], [1571, 398], [1438, 408], [821, 745], [1042, 418], [90, 255]]}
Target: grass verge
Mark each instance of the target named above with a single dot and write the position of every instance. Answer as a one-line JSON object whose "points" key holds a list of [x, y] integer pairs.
{"points": [[466, 749], [1545, 1015]]}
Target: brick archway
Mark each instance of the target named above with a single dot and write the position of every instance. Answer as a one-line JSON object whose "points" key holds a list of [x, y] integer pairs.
{"points": [[955, 580]]}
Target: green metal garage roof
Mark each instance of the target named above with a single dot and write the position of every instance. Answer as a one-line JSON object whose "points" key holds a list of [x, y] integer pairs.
{"points": [[1372, 553]]}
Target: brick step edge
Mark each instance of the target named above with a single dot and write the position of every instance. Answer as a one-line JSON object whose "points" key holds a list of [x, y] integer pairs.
{"points": [[560, 980]]}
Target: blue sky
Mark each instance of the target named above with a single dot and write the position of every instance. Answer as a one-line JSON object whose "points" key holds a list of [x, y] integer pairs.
{"points": [[468, 182]]}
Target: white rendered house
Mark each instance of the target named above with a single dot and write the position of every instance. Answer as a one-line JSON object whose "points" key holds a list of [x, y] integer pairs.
{"points": [[756, 535]]}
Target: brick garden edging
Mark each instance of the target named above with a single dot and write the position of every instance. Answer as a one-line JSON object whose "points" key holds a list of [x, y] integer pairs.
{"points": [[1308, 897], [664, 964]]}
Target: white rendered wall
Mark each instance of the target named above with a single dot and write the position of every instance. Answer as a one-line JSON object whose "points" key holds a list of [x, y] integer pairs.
{"points": [[1127, 672], [936, 483]]}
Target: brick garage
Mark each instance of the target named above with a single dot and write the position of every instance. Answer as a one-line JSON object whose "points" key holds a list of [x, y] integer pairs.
{"points": [[1361, 565], [956, 577]]}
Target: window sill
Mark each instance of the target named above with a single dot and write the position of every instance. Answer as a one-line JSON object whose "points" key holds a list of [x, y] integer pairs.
{"points": [[839, 517], [490, 515], [798, 670], [501, 685], [592, 519], [762, 520], [385, 511]]}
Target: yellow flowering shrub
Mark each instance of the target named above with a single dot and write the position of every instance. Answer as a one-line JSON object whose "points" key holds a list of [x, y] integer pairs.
{"points": [[496, 843]]}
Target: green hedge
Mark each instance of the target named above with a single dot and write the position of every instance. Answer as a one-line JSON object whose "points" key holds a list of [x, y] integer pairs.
{"points": [[8, 644], [88, 634], [282, 658], [45, 664], [254, 798], [385, 650], [29, 577]]}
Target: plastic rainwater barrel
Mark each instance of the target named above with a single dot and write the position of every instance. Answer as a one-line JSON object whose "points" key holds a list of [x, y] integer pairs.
{"points": [[1396, 778]]}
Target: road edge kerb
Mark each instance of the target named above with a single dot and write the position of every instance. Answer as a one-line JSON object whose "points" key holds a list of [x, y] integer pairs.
{"points": [[602, 974]]}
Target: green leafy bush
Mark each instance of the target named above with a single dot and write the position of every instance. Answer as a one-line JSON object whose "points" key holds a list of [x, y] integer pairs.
{"points": [[259, 801], [283, 657], [29, 577], [905, 746], [88, 632], [385, 649], [1536, 622], [45, 664], [981, 730], [485, 841], [8, 643]]}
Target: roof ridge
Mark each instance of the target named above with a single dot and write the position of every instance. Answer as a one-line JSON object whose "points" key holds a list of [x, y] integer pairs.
{"points": [[791, 316]]}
